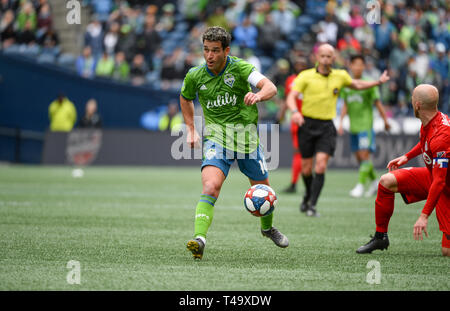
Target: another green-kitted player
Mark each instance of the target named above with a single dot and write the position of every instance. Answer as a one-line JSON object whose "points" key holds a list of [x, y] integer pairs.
{"points": [[223, 86], [358, 104]]}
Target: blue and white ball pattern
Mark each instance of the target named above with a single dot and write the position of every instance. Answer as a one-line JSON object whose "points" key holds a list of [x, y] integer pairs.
{"points": [[260, 200]]}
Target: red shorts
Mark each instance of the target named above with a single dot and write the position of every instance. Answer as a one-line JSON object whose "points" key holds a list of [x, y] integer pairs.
{"points": [[294, 135], [413, 185]]}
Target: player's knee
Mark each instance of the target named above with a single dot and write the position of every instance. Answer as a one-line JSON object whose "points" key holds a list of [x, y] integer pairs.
{"points": [[211, 188], [446, 251], [306, 167], [306, 170], [320, 168], [388, 181]]}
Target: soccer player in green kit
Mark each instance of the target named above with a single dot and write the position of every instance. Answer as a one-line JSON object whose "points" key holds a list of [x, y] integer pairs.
{"points": [[223, 86], [359, 106]]}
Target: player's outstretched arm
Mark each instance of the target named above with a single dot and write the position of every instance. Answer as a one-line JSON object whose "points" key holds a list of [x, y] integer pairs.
{"points": [[187, 109], [267, 91], [362, 84], [397, 162]]}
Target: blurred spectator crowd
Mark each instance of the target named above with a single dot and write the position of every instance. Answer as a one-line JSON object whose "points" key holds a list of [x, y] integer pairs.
{"points": [[27, 26], [154, 43]]}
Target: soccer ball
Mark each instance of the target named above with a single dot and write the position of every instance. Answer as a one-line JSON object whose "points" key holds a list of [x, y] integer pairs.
{"points": [[77, 173], [260, 200]]}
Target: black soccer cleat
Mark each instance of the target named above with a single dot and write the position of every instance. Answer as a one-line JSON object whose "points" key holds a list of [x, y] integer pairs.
{"points": [[276, 236], [291, 189], [196, 247], [311, 211], [304, 206], [374, 244]]}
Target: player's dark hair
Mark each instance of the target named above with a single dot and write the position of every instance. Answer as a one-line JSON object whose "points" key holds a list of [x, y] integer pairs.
{"points": [[217, 33], [358, 56]]}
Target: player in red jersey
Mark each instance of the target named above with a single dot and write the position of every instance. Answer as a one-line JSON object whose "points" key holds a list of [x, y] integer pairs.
{"points": [[430, 183], [296, 167]]}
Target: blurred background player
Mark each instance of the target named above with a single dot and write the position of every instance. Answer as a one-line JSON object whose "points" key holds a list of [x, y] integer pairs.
{"points": [[296, 167], [359, 107], [320, 87], [430, 183], [223, 87]]}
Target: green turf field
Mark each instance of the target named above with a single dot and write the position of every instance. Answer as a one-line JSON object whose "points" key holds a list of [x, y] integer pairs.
{"points": [[128, 227]]}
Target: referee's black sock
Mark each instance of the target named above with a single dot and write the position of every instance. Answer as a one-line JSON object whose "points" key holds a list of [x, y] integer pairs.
{"points": [[316, 187], [307, 180]]}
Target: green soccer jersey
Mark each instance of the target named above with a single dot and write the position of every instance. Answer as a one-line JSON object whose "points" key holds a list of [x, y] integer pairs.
{"points": [[360, 107], [229, 121]]}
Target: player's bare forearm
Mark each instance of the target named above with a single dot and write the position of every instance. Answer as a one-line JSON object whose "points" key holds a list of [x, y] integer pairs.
{"points": [[290, 100], [267, 89], [187, 109], [343, 112], [296, 115], [341, 119]]}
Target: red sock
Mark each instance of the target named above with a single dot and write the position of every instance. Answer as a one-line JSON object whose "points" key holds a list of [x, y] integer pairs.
{"points": [[384, 208], [296, 166]]}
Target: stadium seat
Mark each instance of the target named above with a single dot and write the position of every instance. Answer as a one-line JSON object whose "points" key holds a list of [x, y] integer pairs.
{"points": [[12, 49], [29, 51], [46, 58], [67, 60]]}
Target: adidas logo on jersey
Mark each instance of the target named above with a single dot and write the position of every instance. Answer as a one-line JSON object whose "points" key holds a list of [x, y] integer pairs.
{"points": [[203, 87]]}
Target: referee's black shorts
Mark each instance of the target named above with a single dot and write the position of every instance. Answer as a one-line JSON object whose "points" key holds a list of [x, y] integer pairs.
{"points": [[316, 136]]}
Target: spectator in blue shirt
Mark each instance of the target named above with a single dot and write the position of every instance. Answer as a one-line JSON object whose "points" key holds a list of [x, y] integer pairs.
{"points": [[383, 33], [86, 63], [245, 35]]}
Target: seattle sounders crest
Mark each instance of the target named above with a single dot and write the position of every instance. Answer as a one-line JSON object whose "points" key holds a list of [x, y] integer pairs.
{"points": [[228, 79]]}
